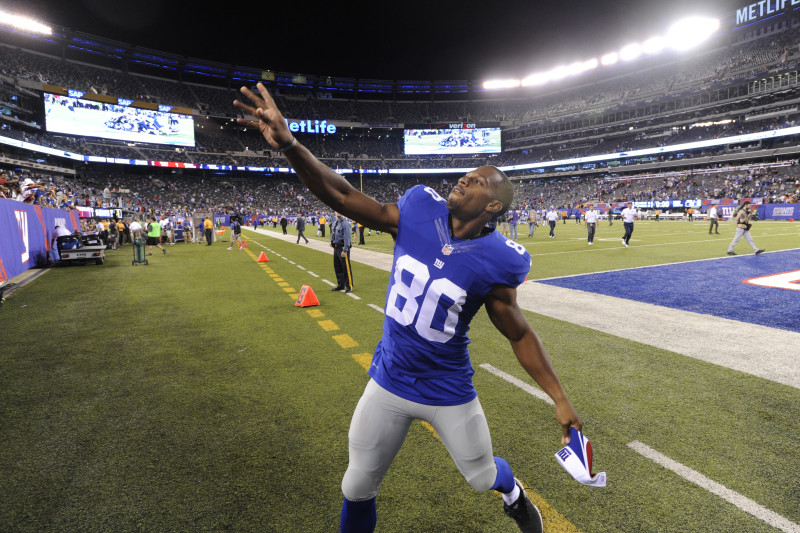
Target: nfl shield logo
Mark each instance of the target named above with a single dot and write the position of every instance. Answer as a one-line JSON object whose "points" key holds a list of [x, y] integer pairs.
{"points": [[447, 249]]}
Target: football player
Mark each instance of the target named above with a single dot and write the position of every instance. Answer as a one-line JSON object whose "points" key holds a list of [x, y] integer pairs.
{"points": [[447, 264]]}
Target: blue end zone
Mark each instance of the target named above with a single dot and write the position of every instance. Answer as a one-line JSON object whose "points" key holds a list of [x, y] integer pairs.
{"points": [[712, 287]]}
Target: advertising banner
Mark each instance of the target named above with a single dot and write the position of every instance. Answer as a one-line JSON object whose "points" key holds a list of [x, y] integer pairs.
{"points": [[26, 233], [779, 212]]}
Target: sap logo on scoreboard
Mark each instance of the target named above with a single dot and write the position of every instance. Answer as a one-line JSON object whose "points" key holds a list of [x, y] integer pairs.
{"points": [[785, 280]]}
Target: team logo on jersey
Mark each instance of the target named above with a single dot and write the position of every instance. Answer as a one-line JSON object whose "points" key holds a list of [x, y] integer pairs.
{"points": [[438, 264], [447, 249]]}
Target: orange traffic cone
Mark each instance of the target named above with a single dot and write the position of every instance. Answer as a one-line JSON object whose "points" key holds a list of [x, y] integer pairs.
{"points": [[306, 298], [262, 258], [243, 244]]}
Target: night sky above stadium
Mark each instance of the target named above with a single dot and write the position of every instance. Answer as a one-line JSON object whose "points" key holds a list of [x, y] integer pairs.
{"points": [[408, 40]]}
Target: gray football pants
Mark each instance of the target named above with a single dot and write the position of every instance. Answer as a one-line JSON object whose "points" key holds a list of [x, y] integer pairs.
{"points": [[380, 424]]}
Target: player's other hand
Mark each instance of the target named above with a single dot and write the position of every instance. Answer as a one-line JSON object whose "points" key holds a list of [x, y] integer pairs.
{"points": [[567, 417], [270, 122]]}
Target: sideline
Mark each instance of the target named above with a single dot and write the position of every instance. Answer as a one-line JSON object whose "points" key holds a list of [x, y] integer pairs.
{"points": [[682, 332], [16, 283]]}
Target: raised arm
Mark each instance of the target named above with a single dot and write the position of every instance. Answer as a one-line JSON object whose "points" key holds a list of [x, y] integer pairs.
{"points": [[505, 314], [326, 184]]}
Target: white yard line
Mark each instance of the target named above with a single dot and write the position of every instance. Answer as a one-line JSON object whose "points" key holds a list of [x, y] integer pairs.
{"points": [[745, 504], [527, 387]]}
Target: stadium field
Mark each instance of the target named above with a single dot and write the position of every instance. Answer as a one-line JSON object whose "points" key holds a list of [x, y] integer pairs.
{"points": [[191, 394]]}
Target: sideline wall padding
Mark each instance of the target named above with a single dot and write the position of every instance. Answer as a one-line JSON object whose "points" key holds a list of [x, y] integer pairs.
{"points": [[26, 232]]}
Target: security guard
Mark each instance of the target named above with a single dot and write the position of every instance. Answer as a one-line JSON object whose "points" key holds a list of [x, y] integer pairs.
{"points": [[340, 242]]}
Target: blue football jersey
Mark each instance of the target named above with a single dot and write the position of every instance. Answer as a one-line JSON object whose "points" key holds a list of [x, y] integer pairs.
{"points": [[437, 284]]}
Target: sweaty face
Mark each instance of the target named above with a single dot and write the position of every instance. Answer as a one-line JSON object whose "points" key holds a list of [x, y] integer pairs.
{"points": [[472, 193]]}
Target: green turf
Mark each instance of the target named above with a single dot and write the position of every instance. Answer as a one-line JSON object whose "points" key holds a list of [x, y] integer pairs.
{"points": [[191, 394]]}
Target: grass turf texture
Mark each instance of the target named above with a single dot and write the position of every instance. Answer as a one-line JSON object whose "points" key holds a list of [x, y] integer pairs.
{"points": [[191, 394]]}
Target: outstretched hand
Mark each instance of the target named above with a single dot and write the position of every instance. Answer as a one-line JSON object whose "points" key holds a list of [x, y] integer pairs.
{"points": [[270, 122]]}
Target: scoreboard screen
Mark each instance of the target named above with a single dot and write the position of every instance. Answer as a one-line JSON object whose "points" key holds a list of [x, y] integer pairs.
{"points": [[456, 139], [74, 116]]}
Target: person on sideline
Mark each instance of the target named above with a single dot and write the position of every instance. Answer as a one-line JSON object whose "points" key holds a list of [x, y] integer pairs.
{"points": [[154, 236], [743, 215], [552, 216], [340, 242], [301, 227], [713, 217], [628, 216], [590, 221], [208, 228]]}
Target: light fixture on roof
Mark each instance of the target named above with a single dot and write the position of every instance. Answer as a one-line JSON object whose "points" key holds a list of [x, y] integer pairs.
{"points": [[690, 32], [501, 84], [630, 52], [609, 59], [24, 23]]}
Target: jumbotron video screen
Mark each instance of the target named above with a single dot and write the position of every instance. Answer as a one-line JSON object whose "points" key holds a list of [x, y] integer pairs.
{"points": [[453, 141], [73, 116]]}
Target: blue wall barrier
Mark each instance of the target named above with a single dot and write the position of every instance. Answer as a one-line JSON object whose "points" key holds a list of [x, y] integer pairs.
{"points": [[779, 211], [26, 232]]}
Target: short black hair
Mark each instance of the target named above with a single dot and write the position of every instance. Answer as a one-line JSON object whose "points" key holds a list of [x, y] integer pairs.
{"points": [[505, 192]]}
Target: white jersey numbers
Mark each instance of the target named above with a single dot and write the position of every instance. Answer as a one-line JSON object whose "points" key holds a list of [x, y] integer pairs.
{"points": [[516, 246], [410, 279], [434, 194]]}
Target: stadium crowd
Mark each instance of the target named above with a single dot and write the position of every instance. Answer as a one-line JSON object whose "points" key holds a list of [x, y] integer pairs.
{"points": [[283, 195], [658, 103], [546, 127]]}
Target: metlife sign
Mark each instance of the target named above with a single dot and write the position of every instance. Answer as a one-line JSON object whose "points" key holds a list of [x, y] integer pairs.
{"points": [[315, 127], [762, 10]]}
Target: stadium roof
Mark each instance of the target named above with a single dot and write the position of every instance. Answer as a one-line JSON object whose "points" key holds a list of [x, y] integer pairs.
{"points": [[413, 39]]}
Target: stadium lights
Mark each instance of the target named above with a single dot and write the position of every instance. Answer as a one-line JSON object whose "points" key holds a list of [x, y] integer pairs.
{"points": [[609, 59], [535, 79], [24, 23], [501, 84], [653, 45], [630, 52], [690, 32], [682, 35]]}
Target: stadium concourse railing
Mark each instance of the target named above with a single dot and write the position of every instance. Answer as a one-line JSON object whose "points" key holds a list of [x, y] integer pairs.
{"points": [[26, 235]]}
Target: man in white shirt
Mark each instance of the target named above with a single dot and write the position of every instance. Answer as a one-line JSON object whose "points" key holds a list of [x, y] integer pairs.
{"points": [[628, 216], [713, 217], [136, 229], [552, 216], [590, 221]]}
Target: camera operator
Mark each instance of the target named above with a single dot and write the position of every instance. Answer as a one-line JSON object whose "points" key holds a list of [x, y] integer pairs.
{"points": [[743, 215]]}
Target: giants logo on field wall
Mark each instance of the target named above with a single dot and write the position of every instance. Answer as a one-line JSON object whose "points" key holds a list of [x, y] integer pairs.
{"points": [[786, 280], [22, 223]]}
